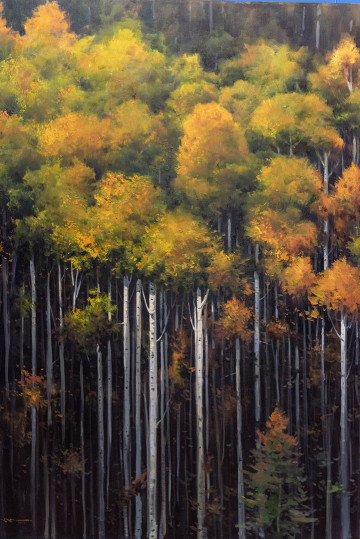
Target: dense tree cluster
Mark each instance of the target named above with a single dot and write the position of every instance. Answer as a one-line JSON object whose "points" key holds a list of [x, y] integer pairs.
{"points": [[180, 286]]}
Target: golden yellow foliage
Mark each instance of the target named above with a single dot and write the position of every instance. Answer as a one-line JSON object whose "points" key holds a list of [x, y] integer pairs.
{"points": [[339, 288], [344, 60], [298, 277], [234, 320], [47, 26], [75, 135], [295, 117]]}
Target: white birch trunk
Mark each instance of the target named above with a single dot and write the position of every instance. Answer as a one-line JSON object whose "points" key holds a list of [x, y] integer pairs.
{"points": [[138, 502], [344, 439], [153, 417], [83, 484], [126, 418], [199, 368], [229, 233], [297, 382], [49, 356], [101, 455], [62, 360], [162, 529], [317, 37], [33, 409], [240, 478], [257, 352], [326, 221], [109, 403]]}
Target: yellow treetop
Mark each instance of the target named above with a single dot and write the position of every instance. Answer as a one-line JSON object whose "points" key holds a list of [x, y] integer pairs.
{"points": [[339, 287]]}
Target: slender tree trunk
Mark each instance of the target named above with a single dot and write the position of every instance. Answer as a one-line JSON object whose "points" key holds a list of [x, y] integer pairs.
{"points": [[62, 359], [109, 404], [297, 381], [126, 424], [229, 233], [138, 502], [199, 368], [6, 319], [257, 353], [211, 15], [317, 37], [49, 355], [153, 417], [162, 529], [82, 443], [344, 435], [46, 488], [101, 456], [277, 350], [240, 478], [33, 408]]}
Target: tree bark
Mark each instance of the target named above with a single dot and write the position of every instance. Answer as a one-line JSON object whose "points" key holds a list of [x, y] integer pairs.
{"points": [[138, 502], [109, 403], [257, 353], [153, 417], [101, 456], [62, 359], [240, 475], [199, 368], [33, 408], [344, 435], [126, 418]]}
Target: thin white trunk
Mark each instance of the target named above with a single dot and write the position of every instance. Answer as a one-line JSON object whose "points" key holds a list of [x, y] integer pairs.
{"points": [[49, 355], [153, 417], [240, 474], [138, 502], [211, 15], [33, 409], [229, 234], [344, 439], [126, 420], [162, 528], [326, 221], [297, 382], [101, 500], [62, 360], [199, 368], [22, 327], [257, 350], [289, 385], [318, 13], [109, 403], [83, 484]]}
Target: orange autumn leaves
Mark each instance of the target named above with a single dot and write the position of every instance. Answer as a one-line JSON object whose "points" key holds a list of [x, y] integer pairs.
{"points": [[279, 220]]}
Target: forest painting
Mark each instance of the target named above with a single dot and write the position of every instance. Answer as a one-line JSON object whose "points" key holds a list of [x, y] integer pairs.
{"points": [[180, 270]]}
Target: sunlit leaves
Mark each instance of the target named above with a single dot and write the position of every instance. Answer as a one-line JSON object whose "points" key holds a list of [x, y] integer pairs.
{"points": [[74, 135], [90, 326], [206, 169], [298, 277], [280, 209], [234, 320], [177, 249], [47, 26], [293, 118], [339, 287], [273, 68]]}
